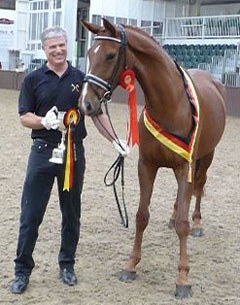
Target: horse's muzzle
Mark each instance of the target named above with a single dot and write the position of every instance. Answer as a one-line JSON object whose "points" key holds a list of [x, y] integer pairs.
{"points": [[90, 108]]}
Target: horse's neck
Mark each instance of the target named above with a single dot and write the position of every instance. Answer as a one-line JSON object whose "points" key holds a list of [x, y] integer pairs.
{"points": [[157, 82], [161, 82]]}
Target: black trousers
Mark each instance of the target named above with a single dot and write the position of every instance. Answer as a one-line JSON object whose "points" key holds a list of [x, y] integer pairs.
{"points": [[37, 188]]}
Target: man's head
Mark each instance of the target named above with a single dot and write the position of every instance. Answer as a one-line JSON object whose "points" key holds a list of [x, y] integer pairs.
{"points": [[54, 44]]}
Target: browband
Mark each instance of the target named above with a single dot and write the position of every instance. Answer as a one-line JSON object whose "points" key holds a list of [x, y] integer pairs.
{"points": [[108, 38]]}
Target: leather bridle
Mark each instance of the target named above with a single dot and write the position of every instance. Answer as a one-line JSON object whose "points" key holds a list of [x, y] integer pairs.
{"points": [[109, 86]]}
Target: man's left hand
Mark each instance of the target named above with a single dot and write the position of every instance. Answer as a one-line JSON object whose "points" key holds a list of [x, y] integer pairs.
{"points": [[121, 146]]}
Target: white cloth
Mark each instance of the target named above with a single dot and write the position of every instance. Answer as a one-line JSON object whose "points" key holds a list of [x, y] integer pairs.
{"points": [[121, 147], [51, 121]]}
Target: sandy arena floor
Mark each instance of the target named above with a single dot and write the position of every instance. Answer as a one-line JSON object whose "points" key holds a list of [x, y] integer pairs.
{"points": [[105, 245]]}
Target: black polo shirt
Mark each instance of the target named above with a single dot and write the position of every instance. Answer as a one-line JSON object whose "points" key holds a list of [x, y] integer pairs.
{"points": [[42, 89]]}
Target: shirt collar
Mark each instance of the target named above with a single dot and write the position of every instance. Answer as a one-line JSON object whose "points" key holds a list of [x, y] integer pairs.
{"points": [[47, 70]]}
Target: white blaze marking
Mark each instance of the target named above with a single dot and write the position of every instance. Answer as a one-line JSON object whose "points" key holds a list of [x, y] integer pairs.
{"points": [[84, 93], [97, 49]]}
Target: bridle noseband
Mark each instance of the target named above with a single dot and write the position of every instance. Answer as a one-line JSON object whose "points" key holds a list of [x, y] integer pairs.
{"points": [[109, 86]]}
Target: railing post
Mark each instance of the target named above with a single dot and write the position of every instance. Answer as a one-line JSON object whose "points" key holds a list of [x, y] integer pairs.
{"points": [[203, 27]]}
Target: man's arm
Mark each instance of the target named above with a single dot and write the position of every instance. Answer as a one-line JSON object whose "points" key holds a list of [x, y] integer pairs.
{"points": [[33, 121]]}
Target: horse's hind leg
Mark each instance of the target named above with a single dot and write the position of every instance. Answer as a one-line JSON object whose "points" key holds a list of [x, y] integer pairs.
{"points": [[200, 179], [146, 174]]}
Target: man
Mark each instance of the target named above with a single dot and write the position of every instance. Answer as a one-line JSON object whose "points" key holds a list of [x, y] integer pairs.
{"points": [[52, 88]]}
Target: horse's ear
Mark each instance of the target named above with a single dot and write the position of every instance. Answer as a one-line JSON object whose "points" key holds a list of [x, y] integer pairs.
{"points": [[94, 28], [109, 26]]}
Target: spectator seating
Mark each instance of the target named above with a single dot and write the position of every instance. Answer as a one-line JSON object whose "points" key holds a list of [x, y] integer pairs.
{"points": [[190, 56]]}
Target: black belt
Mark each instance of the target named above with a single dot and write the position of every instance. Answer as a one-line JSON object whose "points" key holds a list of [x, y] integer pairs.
{"points": [[46, 143]]}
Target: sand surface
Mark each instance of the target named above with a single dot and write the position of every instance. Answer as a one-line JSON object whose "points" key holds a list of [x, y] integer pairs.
{"points": [[105, 245]]}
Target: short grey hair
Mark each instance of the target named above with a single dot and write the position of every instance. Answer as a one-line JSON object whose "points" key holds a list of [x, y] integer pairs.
{"points": [[52, 32]]}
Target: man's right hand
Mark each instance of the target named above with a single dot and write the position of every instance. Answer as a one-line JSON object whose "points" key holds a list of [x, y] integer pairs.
{"points": [[50, 121]]}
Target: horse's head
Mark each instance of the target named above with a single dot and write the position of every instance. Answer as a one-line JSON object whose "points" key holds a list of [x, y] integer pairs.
{"points": [[106, 61]]}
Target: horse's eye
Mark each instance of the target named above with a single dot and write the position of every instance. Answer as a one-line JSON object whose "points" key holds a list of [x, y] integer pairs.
{"points": [[110, 56]]}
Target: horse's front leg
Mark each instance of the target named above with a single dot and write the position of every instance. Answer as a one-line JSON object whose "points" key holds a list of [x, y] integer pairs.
{"points": [[183, 288], [146, 175], [171, 223]]}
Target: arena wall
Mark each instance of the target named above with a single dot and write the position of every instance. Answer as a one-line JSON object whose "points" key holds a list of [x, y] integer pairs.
{"points": [[233, 101], [12, 80]]}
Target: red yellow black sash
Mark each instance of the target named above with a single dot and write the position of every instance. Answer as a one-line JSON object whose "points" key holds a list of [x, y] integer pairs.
{"points": [[172, 142]]}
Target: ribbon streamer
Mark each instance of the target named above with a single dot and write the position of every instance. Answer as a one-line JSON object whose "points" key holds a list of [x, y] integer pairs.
{"points": [[71, 119], [127, 81]]}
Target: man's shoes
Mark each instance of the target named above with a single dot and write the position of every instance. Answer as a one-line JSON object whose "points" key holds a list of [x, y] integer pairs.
{"points": [[19, 284], [68, 276]]}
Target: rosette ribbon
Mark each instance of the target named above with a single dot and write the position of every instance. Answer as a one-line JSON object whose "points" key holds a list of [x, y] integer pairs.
{"points": [[127, 81], [71, 119]]}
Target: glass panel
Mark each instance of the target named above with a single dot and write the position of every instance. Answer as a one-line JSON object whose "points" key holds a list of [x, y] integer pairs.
{"points": [[40, 24], [110, 18], [120, 20], [82, 49], [9, 4], [34, 27], [34, 6], [132, 22], [57, 18], [96, 19], [157, 27], [45, 22], [46, 5], [146, 25], [40, 5], [57, 4]]}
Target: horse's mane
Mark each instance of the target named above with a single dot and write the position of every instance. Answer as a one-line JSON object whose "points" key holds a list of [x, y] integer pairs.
{"points": [[140, 31]]}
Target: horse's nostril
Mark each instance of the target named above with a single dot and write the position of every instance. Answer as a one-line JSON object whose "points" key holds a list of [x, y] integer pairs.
{"points": [[88, 106]]}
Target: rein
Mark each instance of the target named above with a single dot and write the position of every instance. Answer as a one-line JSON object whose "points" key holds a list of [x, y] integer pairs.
{"points": [[108, 86], [118, 168]]}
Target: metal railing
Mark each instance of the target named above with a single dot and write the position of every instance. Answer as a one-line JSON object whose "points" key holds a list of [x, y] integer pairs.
{"points": [[203, 27], [231, 79]]}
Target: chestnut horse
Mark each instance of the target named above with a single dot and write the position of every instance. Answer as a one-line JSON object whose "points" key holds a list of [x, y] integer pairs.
{"points": [[184, 117]]}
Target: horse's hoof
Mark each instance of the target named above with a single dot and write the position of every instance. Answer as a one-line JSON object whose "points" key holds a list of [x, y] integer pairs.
{"points": [[127, 276], [183, 291], [197, 232], [171, 224]]}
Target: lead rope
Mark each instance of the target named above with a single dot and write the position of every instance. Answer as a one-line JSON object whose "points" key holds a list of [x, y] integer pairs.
{"points": [[117, 168]]}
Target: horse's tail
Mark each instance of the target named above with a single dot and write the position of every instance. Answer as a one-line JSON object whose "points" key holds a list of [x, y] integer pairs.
{"points": [[220, 88]]}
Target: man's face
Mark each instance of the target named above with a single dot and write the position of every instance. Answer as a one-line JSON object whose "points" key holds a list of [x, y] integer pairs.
{"points": [[56, 50]]}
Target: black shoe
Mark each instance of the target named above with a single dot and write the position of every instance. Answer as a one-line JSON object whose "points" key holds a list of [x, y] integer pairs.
{"points": [[68, 276], [19, 284]]}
